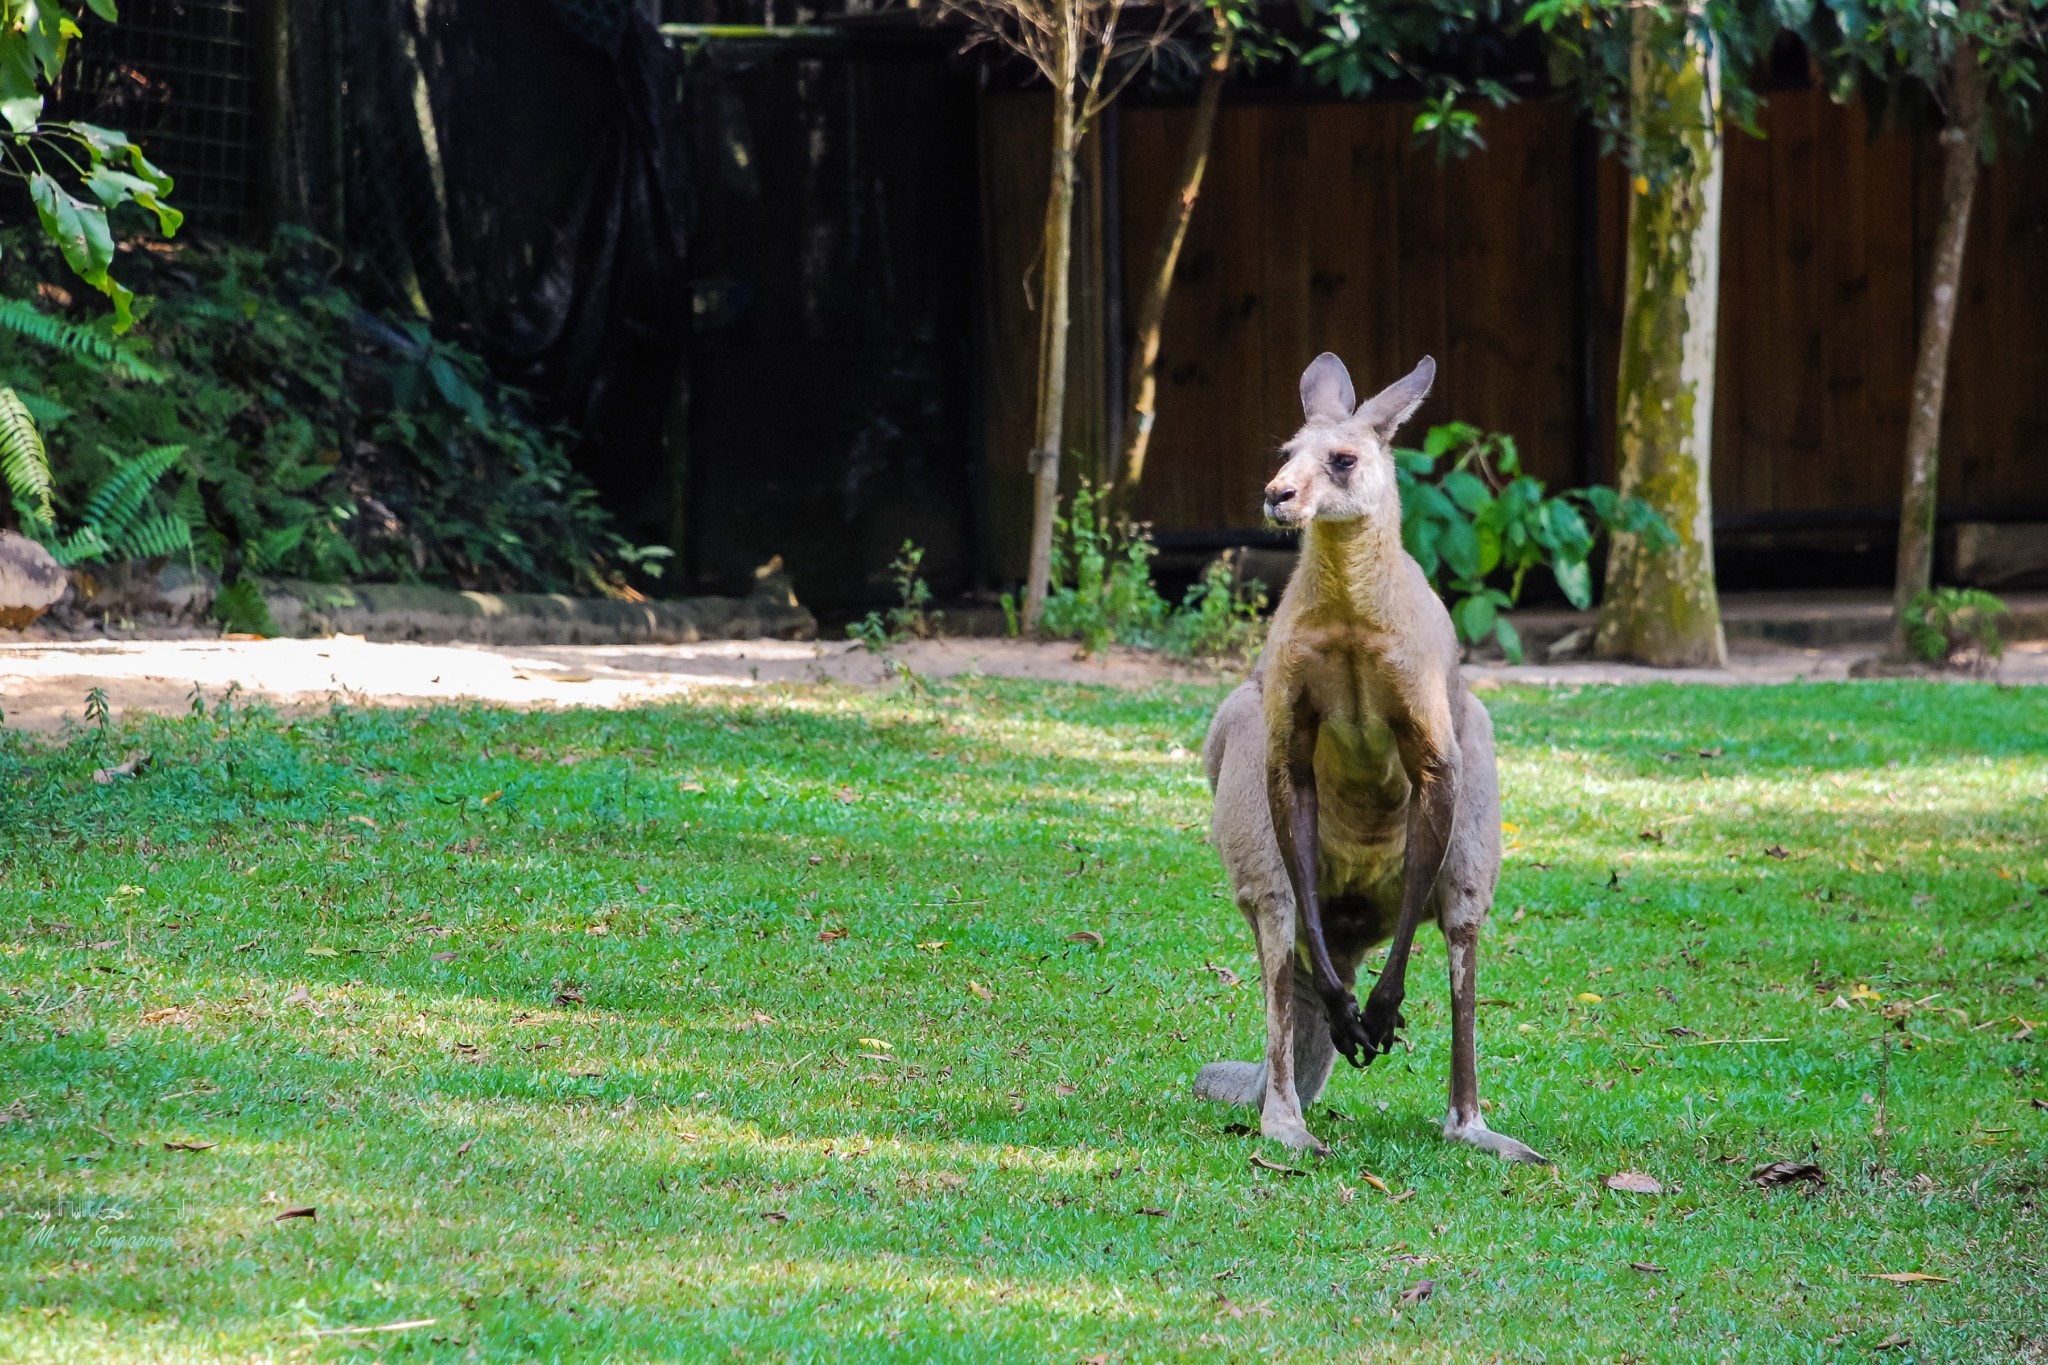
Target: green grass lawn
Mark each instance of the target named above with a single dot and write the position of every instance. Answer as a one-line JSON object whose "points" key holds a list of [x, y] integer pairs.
{"points": [[757, 1029]]}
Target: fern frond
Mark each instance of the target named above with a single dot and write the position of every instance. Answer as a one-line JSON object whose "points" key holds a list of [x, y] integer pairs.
{"points": [[84, 546], [163, 534], [23, 461], [24, 319], [118, 499]]}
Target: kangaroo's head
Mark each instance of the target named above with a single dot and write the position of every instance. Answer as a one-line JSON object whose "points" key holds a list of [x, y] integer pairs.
{"points": [[1337, 467]]}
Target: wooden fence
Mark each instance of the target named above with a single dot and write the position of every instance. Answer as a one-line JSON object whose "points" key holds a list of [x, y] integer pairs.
{"points": [[1324, 226]]}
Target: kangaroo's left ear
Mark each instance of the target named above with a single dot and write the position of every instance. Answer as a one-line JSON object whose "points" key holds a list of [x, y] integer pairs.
{"points": [[1386, 410]]}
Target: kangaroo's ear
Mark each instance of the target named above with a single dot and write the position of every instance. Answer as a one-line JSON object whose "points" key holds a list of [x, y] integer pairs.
{"points": [[1326, 389], [1386, 410]]}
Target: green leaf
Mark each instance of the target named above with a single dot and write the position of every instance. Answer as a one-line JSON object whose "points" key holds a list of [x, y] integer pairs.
{"points": [[1575, 580], [22, 113], [1459, 545], [114, 188], [1467, 490], [1510, 641], [1474, 617], [81, 233], [105, 10]]}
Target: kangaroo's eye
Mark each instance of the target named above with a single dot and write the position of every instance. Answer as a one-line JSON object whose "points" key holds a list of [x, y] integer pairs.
{"points": [[1342, 460]]}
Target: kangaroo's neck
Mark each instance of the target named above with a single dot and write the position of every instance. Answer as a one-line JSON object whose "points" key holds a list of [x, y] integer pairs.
{"points": [[1352, 569]]}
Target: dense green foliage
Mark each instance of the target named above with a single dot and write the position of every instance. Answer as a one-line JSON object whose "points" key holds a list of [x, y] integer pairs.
{"points": [[756, 1029], [1947, 623], [76, 174], [1102, 591], [1477, 524], [319, 440]]}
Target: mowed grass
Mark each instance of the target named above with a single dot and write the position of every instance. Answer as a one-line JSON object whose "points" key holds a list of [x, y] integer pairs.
{"points": [[758, 1029]]}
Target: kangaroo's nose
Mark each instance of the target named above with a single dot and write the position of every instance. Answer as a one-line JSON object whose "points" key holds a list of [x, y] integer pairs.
{"points": [[1277, 495]]}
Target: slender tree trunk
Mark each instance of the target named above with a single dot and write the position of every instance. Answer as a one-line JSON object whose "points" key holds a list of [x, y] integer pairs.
{"points": [[1143, 382], [1959, 162], [1660, 606], [1053, 320]]}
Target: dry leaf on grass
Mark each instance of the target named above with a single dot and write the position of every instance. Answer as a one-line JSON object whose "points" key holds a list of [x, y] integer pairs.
{"points": [[1417, 1293], [1274, 1166], [845, 796], [1063, 1090], [133, 766], [1633, 1182], [831, 935], [1646, 1267], [1087, 936], [984, 992], [306, 1211], [1909, 1277], [776, 1216], [1787, 1173], [1776, 851], [1224, 974], [1369, 1178], [1893, 1342], [200, 1145], [1153, 1213]]}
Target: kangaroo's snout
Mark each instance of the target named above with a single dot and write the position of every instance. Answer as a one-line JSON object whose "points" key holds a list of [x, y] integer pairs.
{"points": [[1278, 496]]}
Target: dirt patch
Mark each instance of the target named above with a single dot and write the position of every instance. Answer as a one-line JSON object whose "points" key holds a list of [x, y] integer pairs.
{"points": [[41, 684]]}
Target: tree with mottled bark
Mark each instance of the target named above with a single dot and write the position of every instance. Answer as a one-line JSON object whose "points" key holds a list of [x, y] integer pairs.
{"points": [[1088, 51], [1981, 63], [1663, 82], [1660, 606]]}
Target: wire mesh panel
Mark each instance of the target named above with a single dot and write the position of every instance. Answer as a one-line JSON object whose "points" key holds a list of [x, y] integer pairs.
{"points": [[174, 75]]}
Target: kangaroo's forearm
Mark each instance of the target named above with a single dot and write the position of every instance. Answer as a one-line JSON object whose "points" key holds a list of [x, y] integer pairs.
{"points": [[1429, 838]]}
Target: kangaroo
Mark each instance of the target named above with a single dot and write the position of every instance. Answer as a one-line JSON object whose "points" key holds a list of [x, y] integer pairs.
{"points": [[1353, 776]]}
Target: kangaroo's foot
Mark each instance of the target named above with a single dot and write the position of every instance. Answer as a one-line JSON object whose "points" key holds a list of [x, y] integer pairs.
{"points": [[1475, 1132], [1289, 1131]]}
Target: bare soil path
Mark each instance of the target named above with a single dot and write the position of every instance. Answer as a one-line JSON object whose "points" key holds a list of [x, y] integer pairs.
{"points": [[43, 683]]}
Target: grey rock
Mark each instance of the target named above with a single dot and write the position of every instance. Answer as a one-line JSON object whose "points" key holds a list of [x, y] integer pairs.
{"points": [[31, 580]]}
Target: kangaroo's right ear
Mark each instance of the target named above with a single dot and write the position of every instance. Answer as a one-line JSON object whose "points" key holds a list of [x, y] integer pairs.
{"points": [[1326, 389]]}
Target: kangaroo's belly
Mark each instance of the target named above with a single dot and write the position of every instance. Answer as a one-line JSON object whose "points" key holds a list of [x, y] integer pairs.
{"points": [[1362, 795]]}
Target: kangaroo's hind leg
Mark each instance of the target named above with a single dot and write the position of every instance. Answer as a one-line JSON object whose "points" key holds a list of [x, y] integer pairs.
{"points": [[1298, 1050], [1464, 894]]}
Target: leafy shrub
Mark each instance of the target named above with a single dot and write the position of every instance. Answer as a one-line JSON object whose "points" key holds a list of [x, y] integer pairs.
{"points": [[907, 620], [1102, 591], [1956, 626], [1478, 527], [320, 440]]}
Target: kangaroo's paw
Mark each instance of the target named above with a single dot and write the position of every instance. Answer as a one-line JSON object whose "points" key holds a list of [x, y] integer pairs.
{"points": [[1291, 1132], [1475, 1132], [1347, 1030]]}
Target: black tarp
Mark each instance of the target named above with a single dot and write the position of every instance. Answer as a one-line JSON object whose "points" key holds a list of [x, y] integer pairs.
{"points": [[831, 374]]}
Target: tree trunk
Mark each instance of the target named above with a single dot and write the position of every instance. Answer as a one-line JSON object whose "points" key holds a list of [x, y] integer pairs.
{"points": [[1052, 336], [1143, 382], [1959, 161], [1660, 607]]}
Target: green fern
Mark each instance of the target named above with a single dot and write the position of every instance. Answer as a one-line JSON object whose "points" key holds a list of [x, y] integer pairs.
{"points": [[116, 522], [1943, 621], [24, 319], [240, 607], [118, 500], [23, 461]]}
